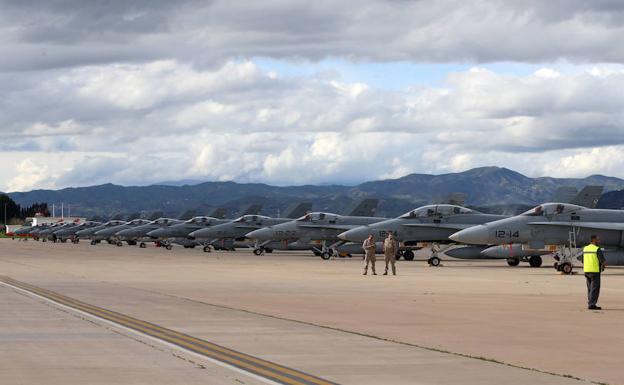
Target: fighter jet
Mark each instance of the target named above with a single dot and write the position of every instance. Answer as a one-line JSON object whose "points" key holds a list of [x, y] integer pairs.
{"points": [[34, 233], [30, 231], [88, 232], [556, 227], [139, 233], [429, 225], [108, 234], [317, 226], [69, 233], [27, 230], [514, 253], [48, 234], [226, 235], [178, 233]]}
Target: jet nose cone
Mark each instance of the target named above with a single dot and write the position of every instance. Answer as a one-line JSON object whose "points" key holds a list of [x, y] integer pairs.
{"points": [[476, 235], [197, 234], [158, 233], [261, 234], [125, 233], [354, 235], [205, 234]]}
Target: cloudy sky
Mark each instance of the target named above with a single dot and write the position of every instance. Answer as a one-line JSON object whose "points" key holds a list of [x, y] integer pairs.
{"points": [[293, 92]]}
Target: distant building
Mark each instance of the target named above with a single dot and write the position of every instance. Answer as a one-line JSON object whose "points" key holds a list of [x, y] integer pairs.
{"points": [[41, 220]]}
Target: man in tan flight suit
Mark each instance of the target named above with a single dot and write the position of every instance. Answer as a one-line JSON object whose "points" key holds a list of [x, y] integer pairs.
{"points": [[390, 250], [369, 253]]}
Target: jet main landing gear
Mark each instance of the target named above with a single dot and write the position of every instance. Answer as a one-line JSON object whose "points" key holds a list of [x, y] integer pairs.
{"points": [[535, 261], [513, 261]]}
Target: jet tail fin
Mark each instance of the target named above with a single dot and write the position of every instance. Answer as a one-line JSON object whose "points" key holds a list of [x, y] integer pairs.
{"points": [[457, 198], [253, 209], [366, 208], [155, 215], [188, 214], [219, 213], [588, 197], [133, 216], [300, 210], [564, 194]]}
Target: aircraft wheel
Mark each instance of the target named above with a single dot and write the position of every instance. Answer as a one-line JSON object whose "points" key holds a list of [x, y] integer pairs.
{"points": [[556, 266], [434, 261], [119, 244], [168, 247], [132, 243], [566, 268], [325, 255], [408, 255], [93, 243], [207, 249], [142, 245], [258, 251], [535, 261], [191, 246], [513, 261]]}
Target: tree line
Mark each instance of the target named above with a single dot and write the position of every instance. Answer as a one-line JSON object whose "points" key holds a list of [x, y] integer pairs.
{"points": [[16, 213]]}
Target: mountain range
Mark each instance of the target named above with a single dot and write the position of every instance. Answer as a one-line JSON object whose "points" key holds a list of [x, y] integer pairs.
{"points": [[490, 188]]}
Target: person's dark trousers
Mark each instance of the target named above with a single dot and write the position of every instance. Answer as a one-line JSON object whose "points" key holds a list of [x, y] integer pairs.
{"points": [[593, 288]]}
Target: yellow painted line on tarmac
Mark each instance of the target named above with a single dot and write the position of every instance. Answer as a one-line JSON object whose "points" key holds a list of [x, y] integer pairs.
{"points": [[254, 365]]}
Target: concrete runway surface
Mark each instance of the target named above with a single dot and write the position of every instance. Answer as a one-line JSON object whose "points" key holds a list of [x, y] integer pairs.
{"points": [[469, 322]]}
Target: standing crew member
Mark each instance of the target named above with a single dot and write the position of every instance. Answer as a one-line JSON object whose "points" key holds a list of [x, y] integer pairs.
{"points": [[593, 264], [390, 250], [369, 253]]}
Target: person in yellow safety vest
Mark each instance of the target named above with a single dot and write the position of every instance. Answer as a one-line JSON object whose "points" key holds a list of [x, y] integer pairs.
{"points": [[593, 265]]}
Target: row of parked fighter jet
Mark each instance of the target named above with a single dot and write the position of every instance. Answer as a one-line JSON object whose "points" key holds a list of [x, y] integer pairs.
{"points": [[460, 232]]}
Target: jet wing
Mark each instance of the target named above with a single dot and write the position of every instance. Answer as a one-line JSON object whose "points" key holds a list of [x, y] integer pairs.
{"points": [[330, 227], [452, 226], [589, 225]]}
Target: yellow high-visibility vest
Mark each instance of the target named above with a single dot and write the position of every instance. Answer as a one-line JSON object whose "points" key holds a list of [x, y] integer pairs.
{"points": [[591, 264]]}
